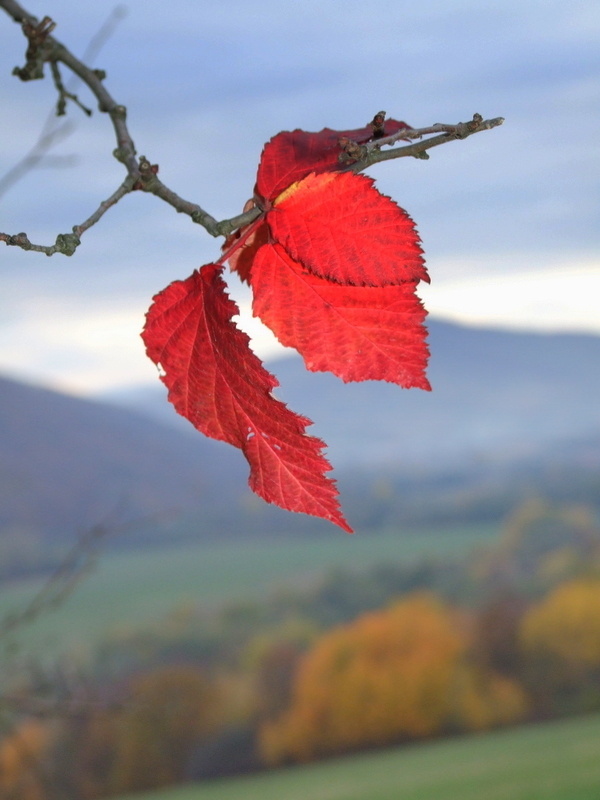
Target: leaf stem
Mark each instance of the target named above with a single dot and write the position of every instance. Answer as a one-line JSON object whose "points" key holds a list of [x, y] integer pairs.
{"points": [[244, 236]]}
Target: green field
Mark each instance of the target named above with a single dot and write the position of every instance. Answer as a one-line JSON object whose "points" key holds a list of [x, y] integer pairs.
{"points": [[128, 589], [553, 761]]}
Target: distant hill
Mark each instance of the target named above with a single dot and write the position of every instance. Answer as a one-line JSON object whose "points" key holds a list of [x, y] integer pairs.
{"points": [[66, 462], [496, 395], [506, 408]]}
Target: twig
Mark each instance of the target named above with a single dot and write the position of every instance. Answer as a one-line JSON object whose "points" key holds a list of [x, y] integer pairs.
{"points": [[368, 154], [123, 189], [78, 562], [64, 94], [50, 134], [142, 175], [54, 52], [36, 156]]}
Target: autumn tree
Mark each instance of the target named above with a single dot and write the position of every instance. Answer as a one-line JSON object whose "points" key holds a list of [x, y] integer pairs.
{"points": [[273, 658], [496, 633], [560, 638], [395, 674], [170, 711], [542, 544], [332, 263]]}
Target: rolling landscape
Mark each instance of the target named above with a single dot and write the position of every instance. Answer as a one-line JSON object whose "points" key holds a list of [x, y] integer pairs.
{"points": [[510, 414], [451, 492]]}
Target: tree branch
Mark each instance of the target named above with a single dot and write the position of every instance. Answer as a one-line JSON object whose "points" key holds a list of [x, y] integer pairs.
{"points": [[78, 561], [43, 47], [36, 156], [142, 175], [366, 155]]}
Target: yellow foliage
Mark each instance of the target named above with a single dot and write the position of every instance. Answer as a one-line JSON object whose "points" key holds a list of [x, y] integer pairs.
{"points": [[485, 700], [566, 625], [385, 676]]}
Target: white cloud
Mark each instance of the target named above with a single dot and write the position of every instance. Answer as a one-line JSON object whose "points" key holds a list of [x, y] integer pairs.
{"points": [[206, 85], [74, 349], [563, 298]]}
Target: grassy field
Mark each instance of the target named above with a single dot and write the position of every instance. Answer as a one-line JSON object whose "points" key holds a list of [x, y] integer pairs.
{"points": [[554, 761], [128, 589]]}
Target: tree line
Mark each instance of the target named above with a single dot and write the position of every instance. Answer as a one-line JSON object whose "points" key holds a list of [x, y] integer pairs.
{"points": [[398, 653]]}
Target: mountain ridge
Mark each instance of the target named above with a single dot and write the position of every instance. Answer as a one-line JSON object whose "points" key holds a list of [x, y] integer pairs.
{"points": [[500, 399], [493, 390]]}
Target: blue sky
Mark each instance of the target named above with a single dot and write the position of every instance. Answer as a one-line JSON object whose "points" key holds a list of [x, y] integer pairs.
{"points": [[509, 218]]}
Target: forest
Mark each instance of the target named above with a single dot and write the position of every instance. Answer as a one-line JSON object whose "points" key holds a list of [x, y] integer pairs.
{"points": [[397, 653]]}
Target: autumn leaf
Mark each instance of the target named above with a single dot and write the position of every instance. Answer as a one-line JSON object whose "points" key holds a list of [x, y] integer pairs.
{"points": [[333, 266], [356, 332], [221, 387], [340, 227], [292, 155]]}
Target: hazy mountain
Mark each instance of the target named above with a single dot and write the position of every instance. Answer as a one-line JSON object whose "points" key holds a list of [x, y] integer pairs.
{"points": [[496, 394], [66, 462], [506, 408]]}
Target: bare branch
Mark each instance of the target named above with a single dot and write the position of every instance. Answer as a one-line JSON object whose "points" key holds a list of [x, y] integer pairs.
{"points": [[64, 94], [142, 175], [51, 134], [18, 13], [36, 155], [150, 182], [66, 243], [368, 154], [123, 189], [77, 563]]}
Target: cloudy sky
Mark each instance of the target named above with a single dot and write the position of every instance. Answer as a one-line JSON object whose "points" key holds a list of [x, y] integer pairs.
{"points": [[509, 218]]}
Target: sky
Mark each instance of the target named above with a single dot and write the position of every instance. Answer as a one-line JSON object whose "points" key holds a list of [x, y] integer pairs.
{"points": [[509, 218]]}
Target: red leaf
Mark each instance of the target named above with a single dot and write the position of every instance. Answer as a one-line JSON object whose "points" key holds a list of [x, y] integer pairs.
{"points": [[341, 228], [292, 155], [356, 332], [221, 387]]}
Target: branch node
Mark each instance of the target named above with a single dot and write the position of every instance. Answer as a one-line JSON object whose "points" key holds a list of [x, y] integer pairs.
{"points": [[120, 154], [37, 51], [351, 151], [207, 222], [67, 243], [378, 125], [17, 240], [147, 173]]}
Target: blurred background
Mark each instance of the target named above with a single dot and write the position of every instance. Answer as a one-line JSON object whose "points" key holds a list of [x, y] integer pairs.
{"points": [[161, 625]]}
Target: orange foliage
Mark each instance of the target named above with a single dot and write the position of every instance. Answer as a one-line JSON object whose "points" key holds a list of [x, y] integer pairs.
{"points": [[21, 755], [385, 676], [394, 674]]}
